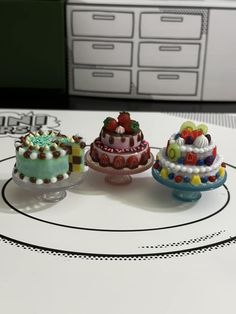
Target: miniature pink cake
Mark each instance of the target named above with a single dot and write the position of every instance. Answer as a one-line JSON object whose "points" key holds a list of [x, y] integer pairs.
{"points": [[120, 144], [190, 157]]}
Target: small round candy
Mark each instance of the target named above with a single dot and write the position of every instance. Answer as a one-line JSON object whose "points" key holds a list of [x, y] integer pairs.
{"points": [[200, 162], [171, 176], [186, 179], [204, 179], [212, 178], [209, 160], [178, 179], [177, 136]]}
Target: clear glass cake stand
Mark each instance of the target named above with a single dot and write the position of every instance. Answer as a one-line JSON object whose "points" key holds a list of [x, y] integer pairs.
{"points": [[117, 176], [51, 192], [185, 191]]}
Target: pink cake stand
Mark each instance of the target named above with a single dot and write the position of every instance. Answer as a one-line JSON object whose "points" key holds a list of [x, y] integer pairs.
{"points": [[51, 192], [117, 176]]}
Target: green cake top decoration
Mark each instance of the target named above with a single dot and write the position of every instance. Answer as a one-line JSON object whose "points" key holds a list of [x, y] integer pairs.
{"points": [[42, 140]]}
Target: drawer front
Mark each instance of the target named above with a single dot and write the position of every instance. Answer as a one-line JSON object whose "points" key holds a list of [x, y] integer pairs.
{"points": [[168, 55], [167, 83], [169, 25], [102, 53], [98, 80], [102, 24]]}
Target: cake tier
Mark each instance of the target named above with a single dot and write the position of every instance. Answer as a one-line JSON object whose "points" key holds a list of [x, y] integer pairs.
{"points": [[189, 173], [190, 154], [42, 171], [120, 158], [121, 141]]}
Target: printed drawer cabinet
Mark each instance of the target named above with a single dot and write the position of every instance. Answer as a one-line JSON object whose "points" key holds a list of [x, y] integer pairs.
{"points": [[156, 54], [102, 23], [167, 83], [170, 25], [112, 53], [100, 80]]}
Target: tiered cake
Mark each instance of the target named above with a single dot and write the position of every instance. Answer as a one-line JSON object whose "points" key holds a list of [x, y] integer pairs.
{"points": [[120, 144], [190, 157]]}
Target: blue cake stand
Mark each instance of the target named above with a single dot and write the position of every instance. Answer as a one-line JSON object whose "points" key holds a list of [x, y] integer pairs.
{"points": [[185, 191]]}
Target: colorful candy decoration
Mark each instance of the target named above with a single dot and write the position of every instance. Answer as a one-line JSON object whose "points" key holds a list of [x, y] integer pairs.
{"points": [[164, 173], [196, 180], [222, 171], [173, 152], [190, 159]]}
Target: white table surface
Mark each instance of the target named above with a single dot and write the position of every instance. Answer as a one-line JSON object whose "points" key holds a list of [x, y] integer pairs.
{"points": [[106, 249]]}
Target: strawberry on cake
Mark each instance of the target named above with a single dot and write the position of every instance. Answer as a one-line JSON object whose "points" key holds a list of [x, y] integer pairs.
{"points": [[120, 144]]}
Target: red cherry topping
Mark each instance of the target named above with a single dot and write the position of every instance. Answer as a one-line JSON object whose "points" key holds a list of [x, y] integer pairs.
{"points": [[156, 165], [178, 179], [212, 178]]}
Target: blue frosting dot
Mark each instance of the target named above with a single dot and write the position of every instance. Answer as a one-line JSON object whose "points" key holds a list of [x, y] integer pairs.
{"points": [[204, 179], [186, 179], [180, 160], [217, 175], [177, 136], [200, 162], [171, 176]]}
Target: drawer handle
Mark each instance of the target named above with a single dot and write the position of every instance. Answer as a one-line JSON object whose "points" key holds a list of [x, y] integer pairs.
{"points": [[168, 77], [170, 48], [103, 46], [102, 74], [175, 19], [105, 17]]}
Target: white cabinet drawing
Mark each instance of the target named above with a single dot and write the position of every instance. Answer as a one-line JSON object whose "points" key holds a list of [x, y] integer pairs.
{"points": [[171, 51]]}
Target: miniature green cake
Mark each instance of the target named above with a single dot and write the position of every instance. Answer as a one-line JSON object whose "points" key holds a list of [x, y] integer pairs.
{"points": [[48, 157]]}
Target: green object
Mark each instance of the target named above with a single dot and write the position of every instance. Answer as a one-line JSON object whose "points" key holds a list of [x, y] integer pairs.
{"points": [[42, 169], [32, 46]]}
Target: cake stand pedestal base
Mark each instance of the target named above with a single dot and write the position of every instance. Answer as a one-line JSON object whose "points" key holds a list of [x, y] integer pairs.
{"points": [[118, 179], [117, 176], [51, 197], [187, 196], [50, 192]]}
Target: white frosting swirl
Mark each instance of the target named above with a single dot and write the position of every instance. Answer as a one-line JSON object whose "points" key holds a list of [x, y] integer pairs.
{"points": [[120, 129], [201, 141], [180, 141]]}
